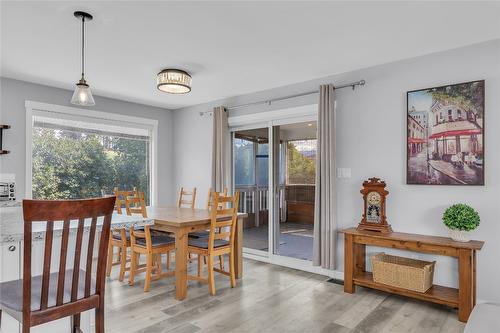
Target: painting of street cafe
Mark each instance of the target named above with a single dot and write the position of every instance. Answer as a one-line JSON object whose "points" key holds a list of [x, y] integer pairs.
{"points": [[445, 135]]}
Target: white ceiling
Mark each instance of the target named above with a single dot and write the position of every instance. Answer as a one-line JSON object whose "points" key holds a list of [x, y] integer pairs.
{"points": [[231, 48]]}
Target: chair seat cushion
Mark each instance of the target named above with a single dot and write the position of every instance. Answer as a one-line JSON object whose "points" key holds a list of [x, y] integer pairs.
{"points": [[11, 292], [157, 240], [203, 242], [199, 234], [485, 318], [118, 236]]}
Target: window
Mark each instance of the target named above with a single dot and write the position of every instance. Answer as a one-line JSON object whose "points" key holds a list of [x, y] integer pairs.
{"points": [[244, 162], [262, 164], [301, 162], [74, 157]]}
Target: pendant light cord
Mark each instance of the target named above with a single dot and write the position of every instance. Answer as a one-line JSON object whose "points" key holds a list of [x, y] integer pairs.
{"points": [[83, 45]]}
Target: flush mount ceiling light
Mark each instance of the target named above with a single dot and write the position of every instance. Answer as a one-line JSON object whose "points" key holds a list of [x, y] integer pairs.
{"points": [[82, 95], [174, 81]]}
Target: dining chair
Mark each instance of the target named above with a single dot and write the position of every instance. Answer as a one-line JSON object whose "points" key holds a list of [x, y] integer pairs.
{"points": [[65, 291], [120, 238], [210, 198], [187, 199], [220, 240], [152, 246], [205, 233]]}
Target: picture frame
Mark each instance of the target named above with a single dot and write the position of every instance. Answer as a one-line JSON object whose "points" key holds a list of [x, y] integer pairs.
{"points": [[445, 135]]}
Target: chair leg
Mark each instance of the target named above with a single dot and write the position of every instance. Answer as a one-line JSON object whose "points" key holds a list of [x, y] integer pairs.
{"points": [[123, 263], [199, 264], [232, 274], [76, 323], [99, 319], [133, 268], [149, 270], [27, 328], [168, 260], [211, 280], [221, 262], [110, 259], [158, 264]]}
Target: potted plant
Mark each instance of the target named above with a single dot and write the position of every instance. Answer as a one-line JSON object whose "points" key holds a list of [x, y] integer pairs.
{"points": [[461, 219]]}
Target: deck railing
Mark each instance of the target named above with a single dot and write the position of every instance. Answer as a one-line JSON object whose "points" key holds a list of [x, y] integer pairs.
{"points": [[255, 199]]}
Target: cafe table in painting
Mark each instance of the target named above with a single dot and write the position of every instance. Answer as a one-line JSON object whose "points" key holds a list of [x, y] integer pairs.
{"points": [[182, 221]]}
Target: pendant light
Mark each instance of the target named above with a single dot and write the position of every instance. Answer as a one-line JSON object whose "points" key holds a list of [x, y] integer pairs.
{"points": [[82, 95]]}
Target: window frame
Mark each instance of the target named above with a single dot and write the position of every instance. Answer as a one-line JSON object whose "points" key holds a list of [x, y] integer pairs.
{"points": [[37, 108]]}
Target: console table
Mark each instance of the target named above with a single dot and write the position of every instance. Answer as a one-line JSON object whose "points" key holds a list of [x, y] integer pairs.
{"points": [[463, 298]]}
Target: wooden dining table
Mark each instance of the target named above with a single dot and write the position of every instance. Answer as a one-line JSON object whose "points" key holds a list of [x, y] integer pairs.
{"points": [[182, 221]]}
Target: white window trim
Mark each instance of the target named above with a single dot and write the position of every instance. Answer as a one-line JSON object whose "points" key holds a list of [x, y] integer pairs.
{"points": [[33, 107]]}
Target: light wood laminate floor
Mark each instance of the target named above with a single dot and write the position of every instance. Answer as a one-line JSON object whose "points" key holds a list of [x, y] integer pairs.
{"points": [[269, 299]]}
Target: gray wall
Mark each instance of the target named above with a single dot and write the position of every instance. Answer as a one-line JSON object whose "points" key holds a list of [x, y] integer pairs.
{"points": [[371, 134], [12, 112]]}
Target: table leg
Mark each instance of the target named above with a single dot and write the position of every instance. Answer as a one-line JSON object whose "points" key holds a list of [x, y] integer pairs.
{"points": [[465, 284], [474, 278], [181, 253], [360, 258], [238, 249], [349, 264]]}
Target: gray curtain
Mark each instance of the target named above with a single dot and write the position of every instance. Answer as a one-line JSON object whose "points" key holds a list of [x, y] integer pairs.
{"points": [[220, 171], [324, 210]]}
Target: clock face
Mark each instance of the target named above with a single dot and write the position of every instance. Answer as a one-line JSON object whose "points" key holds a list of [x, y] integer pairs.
{"points": [[373, 207], [374, 198]]}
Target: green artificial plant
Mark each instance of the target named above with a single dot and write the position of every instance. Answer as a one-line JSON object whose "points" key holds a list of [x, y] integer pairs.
{"points": [[461, 217]]}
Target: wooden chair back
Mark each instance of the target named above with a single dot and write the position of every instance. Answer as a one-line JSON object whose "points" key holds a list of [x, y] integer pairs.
{"points": [[146, 234], [210, 199], [223, 220], [187, 198], [65, 211], [136, 204], [120, 198]]}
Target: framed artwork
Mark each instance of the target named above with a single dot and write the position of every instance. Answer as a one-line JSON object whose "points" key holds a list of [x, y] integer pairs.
{"points": [[445, 135]]}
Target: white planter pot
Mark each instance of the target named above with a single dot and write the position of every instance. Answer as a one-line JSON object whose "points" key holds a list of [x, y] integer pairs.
{"points": [[460, 235]]}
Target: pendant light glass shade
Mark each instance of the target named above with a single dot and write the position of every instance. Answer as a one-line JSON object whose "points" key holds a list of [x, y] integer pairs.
{"points": [[174, 81], [82, 95]]}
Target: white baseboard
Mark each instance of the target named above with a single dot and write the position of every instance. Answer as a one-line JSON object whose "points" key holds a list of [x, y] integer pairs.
{"points": [[302, 265]]}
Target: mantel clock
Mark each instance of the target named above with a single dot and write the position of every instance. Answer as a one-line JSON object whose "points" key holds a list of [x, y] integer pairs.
{"points": [[374, 194]]}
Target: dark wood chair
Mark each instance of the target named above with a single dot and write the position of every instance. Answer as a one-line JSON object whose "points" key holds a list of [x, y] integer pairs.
{"points": [[36, 300]]}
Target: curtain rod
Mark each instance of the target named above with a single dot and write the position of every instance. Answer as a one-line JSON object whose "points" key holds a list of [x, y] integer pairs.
{"points": [[270, 101]]}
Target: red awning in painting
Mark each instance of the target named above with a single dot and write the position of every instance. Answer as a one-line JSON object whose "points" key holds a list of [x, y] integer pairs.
{"points": [[455, 133], [415, 140]]}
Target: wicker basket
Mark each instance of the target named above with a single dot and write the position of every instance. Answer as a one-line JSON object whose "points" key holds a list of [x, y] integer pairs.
{"points": [[402, 272]]}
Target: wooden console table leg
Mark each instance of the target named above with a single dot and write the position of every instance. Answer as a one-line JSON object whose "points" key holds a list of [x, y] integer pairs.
{"points": [[349, 264], [474, 278], [360, 258], [466, 284]]}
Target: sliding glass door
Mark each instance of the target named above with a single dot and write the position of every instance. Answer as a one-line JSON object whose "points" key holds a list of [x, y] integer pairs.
{"points": [[294, 167], [251, 179], [274, 170]]}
